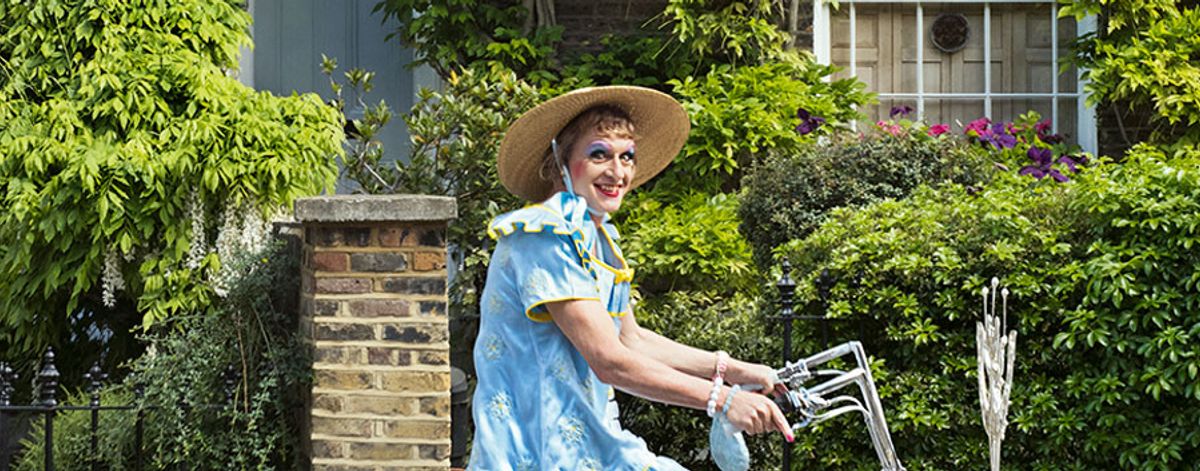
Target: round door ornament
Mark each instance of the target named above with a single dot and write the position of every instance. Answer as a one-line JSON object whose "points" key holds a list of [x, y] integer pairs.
{"points": [[950, 32]]}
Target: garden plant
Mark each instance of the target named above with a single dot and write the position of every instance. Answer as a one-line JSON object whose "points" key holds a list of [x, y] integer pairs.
{"points": [[135, 168]]}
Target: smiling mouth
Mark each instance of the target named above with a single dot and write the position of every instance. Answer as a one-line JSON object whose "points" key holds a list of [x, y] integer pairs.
{"points": [[611, 191]]}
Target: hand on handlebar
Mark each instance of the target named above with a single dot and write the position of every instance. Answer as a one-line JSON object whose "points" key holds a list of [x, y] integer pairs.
{"points": [[753, 373], [756, 413]]}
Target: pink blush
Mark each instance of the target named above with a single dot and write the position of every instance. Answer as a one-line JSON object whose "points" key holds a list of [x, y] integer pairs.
{"points": [[577, 168]]}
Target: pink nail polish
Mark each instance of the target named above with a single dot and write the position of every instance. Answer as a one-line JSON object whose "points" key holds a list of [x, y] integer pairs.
{"points": [[790, 438]]}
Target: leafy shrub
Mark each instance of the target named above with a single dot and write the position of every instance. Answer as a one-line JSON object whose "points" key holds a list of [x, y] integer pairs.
{"points": [[1104, 296], [124, 145], [635, 59], [221, 388], [788, 194], [739, 32], [73, 439], [740, 113], [249, 341], [1141, 64], [687, 245], [452, 35]]}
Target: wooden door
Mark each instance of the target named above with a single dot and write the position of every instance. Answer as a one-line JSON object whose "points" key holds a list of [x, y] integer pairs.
{"points": [[1021, 58]]}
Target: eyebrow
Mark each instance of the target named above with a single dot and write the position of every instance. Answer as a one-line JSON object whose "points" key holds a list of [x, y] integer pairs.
{"points": [[599, 145]]}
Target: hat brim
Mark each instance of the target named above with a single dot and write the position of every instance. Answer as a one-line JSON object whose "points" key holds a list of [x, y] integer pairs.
{"points": [[662, 128]]}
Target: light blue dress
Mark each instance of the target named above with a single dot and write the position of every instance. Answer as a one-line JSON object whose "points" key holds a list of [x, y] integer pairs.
{"points": [[538, 405]]}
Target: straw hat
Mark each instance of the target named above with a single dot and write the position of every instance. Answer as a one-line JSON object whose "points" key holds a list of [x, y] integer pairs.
{"points": [[662, 127]]}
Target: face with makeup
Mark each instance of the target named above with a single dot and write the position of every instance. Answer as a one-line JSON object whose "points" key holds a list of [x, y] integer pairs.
{"points": [[602, 167]]}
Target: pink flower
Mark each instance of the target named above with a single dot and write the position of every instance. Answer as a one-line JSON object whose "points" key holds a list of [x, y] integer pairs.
{"points": [[1042, 126], [893, 129], [938, 129], [978, 127]]}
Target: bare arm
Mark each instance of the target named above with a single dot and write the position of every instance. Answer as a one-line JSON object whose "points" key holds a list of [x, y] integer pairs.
{"points": [[690, 360], [589, 328]]}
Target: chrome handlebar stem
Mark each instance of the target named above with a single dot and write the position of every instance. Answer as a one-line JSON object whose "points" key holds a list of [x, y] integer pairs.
{"points": [[809, 402]]}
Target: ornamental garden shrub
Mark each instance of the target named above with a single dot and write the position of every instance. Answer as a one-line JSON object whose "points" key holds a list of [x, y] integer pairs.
{"points": [[1145, 58], [739, 114], [220, 389], [129, 156], [136, 173], [1104, 296], [689, 245], [787, 195]]}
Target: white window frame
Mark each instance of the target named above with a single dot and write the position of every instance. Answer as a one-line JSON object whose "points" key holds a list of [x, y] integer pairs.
{"points": [[1085, 122]]}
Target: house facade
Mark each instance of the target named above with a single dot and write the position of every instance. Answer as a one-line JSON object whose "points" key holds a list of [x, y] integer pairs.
{"points": [[290, 36]]}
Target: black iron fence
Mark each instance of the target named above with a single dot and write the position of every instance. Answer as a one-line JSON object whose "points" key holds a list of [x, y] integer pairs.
{"points": [[44, 402]]}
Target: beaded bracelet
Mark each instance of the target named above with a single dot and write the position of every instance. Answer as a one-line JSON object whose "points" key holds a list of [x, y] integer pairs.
{"points": [[712, 398], [718, 381], [729, 398], [722, 364]]}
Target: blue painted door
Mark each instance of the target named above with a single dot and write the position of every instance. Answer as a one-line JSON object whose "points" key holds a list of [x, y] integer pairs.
{"points": [[291, 35]]}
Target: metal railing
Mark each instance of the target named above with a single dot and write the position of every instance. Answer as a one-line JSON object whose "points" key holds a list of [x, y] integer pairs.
{"points": [[45, 402]]}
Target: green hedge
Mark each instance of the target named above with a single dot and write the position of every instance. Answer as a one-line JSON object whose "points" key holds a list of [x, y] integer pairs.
{"points": [[1105, 288], [787, 195]]}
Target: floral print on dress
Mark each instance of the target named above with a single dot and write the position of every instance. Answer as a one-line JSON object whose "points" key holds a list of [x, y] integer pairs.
{"points": [[589, 464], [571, 429], [539, 281], [494, 303], [501, 406], [563, 371], [503, 257], [493, 347], [588, 388]]}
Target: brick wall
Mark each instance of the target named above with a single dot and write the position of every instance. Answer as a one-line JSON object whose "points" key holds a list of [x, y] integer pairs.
{"points": [[373, 306], [584, 22]]}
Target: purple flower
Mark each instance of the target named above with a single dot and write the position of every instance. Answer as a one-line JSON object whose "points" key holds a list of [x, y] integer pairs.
{"points": [[1035, 172], [902, 110], [1043, 161], [1070, 162], [1041, 157], [808, 123], [999, 135]]}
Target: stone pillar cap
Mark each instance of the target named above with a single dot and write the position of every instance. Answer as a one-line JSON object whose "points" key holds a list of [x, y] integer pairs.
{"points": [[375, 208]]}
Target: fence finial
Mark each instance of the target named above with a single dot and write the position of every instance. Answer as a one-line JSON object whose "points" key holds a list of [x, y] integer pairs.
{"points": [[7, 379], [95, 377], [996, 355], [231, 384], [47, 380]]}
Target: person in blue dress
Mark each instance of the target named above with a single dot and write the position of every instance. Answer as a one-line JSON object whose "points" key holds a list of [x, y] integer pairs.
{"points": [[557, 331]]}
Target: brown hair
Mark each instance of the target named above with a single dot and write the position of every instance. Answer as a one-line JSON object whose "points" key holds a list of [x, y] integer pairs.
{"points": [[606, 120]]}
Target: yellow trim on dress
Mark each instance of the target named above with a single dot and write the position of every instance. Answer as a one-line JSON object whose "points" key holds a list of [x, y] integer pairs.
{"points": [[545, 316], [506, 228], [621, 275]]}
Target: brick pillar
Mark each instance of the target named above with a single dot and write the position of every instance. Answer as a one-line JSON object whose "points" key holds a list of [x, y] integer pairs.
{"points": [[373, 306]]}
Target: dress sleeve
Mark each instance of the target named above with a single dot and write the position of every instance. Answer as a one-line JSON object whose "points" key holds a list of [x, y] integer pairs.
{"points": [[547, 268]]}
